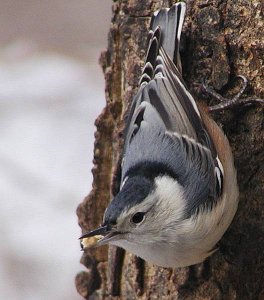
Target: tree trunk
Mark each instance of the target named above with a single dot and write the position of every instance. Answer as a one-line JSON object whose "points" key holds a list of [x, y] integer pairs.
{"points": [[221, 39]]}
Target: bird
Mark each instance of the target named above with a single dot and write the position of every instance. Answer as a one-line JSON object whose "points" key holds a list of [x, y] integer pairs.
{"points": [[178, 189]]}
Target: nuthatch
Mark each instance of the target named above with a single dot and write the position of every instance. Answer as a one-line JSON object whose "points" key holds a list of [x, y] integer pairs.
{"points": [[179, 189]]}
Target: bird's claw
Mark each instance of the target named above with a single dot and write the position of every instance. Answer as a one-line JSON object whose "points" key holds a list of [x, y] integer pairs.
{"points": [[226, 103]]}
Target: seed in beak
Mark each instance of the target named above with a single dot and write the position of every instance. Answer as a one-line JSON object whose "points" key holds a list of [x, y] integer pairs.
{"points": [[90, 242]]}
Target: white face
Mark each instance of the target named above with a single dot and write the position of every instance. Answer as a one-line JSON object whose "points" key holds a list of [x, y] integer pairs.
{"points": [[150, 219], [156, 228], [151, 226]]}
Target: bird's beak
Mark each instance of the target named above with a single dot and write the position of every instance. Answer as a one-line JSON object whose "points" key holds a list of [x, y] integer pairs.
{"points": [[99, 237]]}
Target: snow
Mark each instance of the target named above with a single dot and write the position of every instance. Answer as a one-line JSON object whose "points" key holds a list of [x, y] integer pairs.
{"points": [[51, 91], [48, 104]]}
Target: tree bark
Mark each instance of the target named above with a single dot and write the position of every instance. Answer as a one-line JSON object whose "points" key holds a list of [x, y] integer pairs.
{"points": [[221, 39]]}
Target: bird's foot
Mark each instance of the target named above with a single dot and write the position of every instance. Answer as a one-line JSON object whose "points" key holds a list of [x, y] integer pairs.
{"points": [[226, 103]]}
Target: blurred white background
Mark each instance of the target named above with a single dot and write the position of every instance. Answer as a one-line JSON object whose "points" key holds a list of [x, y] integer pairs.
{"points": [[51, 90]]}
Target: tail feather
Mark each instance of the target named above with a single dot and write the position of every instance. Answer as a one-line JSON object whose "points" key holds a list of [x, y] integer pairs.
{"points": [[165, 32], [162, 85], [170, 22]]}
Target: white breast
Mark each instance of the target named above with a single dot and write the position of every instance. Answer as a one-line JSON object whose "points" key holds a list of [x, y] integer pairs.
{"points": [[189, 241]]}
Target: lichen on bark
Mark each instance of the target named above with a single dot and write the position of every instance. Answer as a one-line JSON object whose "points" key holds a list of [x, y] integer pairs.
{"points": [[221, 39]]}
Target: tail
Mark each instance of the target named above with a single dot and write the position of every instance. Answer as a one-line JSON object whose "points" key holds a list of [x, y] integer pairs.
{"points": [[170, 22], [165, 33]]}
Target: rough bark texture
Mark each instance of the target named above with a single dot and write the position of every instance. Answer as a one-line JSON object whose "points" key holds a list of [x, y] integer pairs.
{"points": [[222, 38]]}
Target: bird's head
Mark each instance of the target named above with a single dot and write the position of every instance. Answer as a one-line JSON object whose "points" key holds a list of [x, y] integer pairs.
{"points": [[140, 211]]}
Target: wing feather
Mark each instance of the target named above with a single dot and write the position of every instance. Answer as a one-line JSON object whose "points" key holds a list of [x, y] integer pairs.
{"points": [[164, 128], [186, 160]]}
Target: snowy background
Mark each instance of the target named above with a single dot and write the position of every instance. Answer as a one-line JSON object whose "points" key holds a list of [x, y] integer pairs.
{"points": [[51, 90]]}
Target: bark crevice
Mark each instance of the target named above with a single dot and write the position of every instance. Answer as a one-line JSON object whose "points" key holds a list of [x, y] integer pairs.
{"points": [[221, 39]]}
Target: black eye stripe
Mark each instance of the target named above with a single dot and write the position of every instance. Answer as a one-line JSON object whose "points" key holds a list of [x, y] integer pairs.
{"points": [[138, 217]]}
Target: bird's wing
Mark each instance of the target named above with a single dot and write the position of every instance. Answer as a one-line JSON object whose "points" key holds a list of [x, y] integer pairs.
{"points": [[153, 151], [164, 127], [161, 83]]}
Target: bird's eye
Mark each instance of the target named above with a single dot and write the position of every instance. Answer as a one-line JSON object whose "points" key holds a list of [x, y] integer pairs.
{"points": [[138, 217]]}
